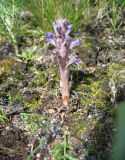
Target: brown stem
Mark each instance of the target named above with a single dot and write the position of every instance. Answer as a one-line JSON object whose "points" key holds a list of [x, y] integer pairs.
{"points": [[64, 75], [64, 85]]}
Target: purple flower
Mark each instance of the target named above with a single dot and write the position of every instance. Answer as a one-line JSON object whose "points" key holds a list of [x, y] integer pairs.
{"points": [[68, 29], [50, 38], [67, 26], [74, 60], [62, 27], [57, 27], [68, 40], [75, 43], [64, 21]]}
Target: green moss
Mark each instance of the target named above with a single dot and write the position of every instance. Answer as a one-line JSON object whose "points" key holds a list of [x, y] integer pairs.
{"points": [[41, 78], [31, 105], [2, 72], [97, 95], [116, 72], [96, 91], [12, 68], [3, 117], [77, 125]]}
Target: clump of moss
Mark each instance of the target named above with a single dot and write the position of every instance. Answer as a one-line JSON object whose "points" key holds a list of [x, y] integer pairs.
{"points": [[97, 90], [116, 73], [41, 78], [97, 95]]}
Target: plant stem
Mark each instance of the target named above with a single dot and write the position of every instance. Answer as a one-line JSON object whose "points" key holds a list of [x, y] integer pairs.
{"points": [[15, 48], [64, 83], [65, 144]]}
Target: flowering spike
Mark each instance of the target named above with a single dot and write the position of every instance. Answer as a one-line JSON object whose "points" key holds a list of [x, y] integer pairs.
{"points": [[63, 43]]}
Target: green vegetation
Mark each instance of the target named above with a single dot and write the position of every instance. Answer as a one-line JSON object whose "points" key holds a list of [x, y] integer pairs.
{"points": [[3, 117], [114, 14], [29, 54], [10, 21], [62, 151], [97, 96], [33, 121], [37, 149], [15, 15], [46, 11], [118, 151]]}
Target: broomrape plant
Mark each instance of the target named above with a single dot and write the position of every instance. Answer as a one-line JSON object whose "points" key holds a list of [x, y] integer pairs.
{"points": [[63, 44]]}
